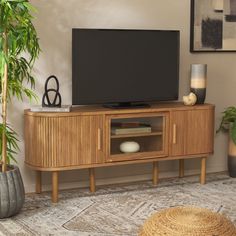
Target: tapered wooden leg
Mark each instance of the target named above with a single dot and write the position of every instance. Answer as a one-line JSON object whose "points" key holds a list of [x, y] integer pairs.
{"points": [[203, 170], [155, 173], [181, 168], [38, 180], [55, 186], [92, 180]]}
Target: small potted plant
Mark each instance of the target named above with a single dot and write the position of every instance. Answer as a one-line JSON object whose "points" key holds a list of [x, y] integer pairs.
{"points": [[228, 124], [18, 50]]}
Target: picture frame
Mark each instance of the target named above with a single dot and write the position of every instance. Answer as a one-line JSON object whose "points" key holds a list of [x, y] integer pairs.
{"points": [[213, 26]]}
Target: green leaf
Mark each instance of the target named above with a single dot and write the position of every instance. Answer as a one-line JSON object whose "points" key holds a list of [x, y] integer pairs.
{"points": [[229, 116], [12, 140], [18, 33], [233, 132]]}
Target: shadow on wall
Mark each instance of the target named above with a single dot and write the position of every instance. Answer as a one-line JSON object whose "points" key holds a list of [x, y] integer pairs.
{"points": [[54, 24], [55, 20]]}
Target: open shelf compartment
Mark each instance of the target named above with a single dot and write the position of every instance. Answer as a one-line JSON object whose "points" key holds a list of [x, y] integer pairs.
{"points": [[147, 131]]}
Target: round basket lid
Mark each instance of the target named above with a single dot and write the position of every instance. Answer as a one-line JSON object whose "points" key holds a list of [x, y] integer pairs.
{"points": [[188, 221]]}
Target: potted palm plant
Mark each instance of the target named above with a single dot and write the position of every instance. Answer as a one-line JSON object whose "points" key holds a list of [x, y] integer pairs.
{"points": [[19, 48], [228, 124]]}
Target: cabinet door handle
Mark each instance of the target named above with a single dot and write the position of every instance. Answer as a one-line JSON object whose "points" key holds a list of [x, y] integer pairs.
{"points": [[174, 133], [99, 139]]}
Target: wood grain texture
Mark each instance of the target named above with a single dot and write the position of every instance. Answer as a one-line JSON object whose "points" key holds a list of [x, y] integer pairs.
{"points": [[63, 141], [92, 180], [177, 132], [38, 182], [200, 132], [99, 110], [181, 168], [136, 135], [81, 138], [54, 186], [174, 139], [203, 170], [192, 131], [114, 163], [155, 173]]}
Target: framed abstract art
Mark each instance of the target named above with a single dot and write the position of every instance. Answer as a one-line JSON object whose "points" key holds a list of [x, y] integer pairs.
{"points": [[213, 26]]}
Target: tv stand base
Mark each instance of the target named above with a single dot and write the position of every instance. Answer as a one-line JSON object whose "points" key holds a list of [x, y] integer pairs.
{"points": [[126, 105], [155, 177]]}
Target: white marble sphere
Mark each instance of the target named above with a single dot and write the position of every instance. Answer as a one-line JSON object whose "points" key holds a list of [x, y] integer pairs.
{"points": [[129, 147]]}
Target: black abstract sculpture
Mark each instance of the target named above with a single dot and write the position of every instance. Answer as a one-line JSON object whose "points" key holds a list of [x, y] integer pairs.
{"points": [[56, 102]]}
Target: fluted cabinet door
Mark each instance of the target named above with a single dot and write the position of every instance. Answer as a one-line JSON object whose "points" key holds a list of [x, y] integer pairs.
{"points": [[200, 131], [91, 138], [177, 133], [191, 132], [63, 141]]}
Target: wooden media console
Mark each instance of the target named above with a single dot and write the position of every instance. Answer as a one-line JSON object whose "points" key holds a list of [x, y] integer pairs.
{"points": [[83, 138]]}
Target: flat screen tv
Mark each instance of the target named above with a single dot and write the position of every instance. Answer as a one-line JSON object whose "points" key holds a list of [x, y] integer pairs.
{"points": [[113, 66]]}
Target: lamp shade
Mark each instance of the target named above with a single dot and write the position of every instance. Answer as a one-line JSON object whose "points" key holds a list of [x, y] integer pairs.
{"points": [[198, 81]]}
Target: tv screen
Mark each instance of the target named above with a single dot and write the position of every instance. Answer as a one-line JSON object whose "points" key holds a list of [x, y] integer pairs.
{"points": [[122, 66]]}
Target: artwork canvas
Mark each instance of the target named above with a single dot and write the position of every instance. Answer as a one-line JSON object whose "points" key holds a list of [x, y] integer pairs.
{"points": [[213, 26]]}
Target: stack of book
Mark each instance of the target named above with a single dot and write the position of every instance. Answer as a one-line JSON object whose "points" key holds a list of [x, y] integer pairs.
{"points": [[130, 128]]}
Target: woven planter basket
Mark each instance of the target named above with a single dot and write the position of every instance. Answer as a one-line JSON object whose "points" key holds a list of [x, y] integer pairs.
{"points": [[187, 221]]}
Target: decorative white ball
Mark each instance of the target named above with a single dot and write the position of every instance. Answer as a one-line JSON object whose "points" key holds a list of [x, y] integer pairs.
{"points": [[190, 99], [129, 147]]}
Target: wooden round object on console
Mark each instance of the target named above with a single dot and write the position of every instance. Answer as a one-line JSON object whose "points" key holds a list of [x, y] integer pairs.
{"points": [[187, 221]]}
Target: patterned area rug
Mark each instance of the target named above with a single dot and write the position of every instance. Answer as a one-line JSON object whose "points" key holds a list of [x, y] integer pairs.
{"points": [[118, 210]]}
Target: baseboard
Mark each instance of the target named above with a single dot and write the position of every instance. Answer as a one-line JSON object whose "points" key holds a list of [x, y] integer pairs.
{"points": [[117, 180]]}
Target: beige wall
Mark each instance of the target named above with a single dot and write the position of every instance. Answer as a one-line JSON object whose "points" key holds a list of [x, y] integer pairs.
{"points": [[55, 18]]}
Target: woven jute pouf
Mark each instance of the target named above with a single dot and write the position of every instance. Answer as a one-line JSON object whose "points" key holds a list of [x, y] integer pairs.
{"points": [[188, 221]]}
